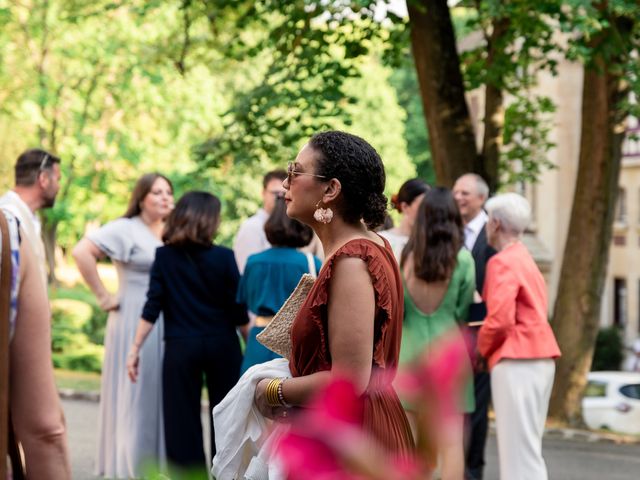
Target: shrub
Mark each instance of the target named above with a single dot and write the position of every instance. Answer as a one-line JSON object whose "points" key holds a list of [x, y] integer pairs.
{"points": [[608, 353], [94, 327], [87, 359], [95, 324], [72, 347], [69, 317]]}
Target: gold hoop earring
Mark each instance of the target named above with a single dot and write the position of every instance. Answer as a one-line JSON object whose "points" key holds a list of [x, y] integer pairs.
{"points": [[323, 215]]}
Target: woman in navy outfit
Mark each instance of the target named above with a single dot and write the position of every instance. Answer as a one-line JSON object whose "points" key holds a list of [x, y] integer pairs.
{"points": [[194, 283]]}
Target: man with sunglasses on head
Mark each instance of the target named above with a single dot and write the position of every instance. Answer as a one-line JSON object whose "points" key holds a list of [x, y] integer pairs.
{"points": [[251, 237], [37, 183]]}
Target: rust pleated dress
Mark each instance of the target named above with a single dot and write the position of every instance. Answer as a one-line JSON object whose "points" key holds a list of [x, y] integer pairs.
{"points": [[384, 416]]}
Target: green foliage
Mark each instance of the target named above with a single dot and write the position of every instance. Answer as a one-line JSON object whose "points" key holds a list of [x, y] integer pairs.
{"points": [[521, 39], [120, 89], [377, 117], [608, 353], [518, 41], [155, 472], [86, 359], [309, 51], [214, 93], [527, 125], [97, 83], [606, 38], [315, 67], [405, 82], [92, 323], [72, 349]]}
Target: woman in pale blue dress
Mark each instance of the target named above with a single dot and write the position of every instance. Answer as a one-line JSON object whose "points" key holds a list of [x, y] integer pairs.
{"points": [[130, 428]]}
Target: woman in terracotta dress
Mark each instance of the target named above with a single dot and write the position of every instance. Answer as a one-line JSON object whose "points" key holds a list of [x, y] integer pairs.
{"points": [[351, 322]]}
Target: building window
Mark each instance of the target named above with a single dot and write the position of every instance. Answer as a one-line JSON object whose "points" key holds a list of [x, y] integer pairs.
{"points": [[619, 302], [621, 206]]}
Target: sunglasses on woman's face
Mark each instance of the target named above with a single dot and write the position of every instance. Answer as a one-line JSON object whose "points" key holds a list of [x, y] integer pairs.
{"points": [[292, 172]]}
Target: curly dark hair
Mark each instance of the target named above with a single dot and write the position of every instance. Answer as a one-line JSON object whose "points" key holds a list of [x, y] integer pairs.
{"points": [[359, 168], [436, 238], [283, 231]]}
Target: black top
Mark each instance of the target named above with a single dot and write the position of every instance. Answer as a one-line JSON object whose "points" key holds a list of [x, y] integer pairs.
{"points": [[481, 252], [195, 287]]}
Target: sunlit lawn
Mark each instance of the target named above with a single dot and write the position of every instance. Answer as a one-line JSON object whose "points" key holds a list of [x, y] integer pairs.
{"points": [[86, 381], [78, 381]]}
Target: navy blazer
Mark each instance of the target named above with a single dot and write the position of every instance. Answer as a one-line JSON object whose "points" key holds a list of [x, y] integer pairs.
{"points": [[481, 253], [195, 287]]}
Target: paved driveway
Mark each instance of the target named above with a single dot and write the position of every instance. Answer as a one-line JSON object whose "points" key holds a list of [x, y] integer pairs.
{"points": [[566, 460]]}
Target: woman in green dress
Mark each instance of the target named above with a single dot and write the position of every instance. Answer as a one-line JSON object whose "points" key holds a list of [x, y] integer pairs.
{"points": [[439, 283]]}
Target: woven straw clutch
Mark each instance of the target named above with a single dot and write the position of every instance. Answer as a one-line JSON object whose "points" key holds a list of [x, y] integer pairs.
{"points": [[276, 336]]}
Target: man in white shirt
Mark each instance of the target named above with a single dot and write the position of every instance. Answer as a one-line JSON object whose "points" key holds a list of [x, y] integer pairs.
{"points": [[37, 183], [251, 237], [471, 192]]}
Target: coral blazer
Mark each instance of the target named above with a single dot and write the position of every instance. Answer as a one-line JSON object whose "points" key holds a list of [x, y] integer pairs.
{"points": [[516, 325]]}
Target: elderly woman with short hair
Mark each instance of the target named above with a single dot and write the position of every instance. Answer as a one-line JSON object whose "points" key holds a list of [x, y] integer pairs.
{"points": [[517, 341]]}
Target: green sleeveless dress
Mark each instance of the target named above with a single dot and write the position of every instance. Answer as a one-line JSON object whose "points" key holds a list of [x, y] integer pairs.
{"points": [[420, 330]]}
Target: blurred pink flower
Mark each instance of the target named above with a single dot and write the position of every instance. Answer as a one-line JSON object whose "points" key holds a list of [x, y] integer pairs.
{"points": [[326, 442], [438, 376]]}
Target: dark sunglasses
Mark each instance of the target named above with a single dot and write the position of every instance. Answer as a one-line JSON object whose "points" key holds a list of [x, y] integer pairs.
{"points": [[291, 173]]}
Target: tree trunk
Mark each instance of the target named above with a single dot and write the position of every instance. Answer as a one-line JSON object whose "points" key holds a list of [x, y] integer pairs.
{"points": [[49, 232], [577, 308], [487, 164], [453, 145]]}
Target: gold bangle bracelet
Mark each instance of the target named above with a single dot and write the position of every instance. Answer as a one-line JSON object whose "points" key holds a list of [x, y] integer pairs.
{"points": [[274, 393], [267, 392], [271, 393]]}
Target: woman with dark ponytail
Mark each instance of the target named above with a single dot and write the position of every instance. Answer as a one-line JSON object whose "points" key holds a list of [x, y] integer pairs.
{"points": [[406, 202], [439, 282], [351, 321]]}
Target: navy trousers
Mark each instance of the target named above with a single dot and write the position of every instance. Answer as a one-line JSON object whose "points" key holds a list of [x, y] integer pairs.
{"points": [[187, 362], [478, 427]]}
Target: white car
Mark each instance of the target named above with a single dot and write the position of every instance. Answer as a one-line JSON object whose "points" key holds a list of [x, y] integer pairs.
{"points": [[612, 400]]}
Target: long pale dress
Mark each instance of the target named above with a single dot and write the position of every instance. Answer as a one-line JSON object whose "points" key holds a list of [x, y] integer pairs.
{"points": [[130, 427]]}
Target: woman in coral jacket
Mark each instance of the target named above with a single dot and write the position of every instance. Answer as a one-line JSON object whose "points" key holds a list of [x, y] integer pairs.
{"points": [[517, 341]]}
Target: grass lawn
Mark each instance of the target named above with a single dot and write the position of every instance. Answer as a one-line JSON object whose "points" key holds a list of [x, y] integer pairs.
{"points": [[79, 381], [86, 381]]}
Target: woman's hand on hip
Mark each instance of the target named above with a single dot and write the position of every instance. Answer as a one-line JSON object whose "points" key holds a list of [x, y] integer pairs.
{"points": [[108, 303]]}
